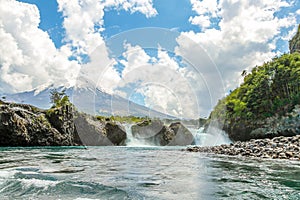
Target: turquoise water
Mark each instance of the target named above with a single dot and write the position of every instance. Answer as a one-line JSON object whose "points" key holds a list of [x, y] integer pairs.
{"points": [[141, 173]]}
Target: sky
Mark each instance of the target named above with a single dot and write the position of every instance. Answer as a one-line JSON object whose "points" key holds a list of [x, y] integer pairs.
{"points": [[178, 57]]}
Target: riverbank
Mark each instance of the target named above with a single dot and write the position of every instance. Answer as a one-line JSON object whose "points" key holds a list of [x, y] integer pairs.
{"points": [[276, 148]]}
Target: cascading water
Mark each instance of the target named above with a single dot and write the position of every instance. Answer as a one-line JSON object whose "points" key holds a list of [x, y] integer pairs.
{"points": [[132, 141], [212, 137]]}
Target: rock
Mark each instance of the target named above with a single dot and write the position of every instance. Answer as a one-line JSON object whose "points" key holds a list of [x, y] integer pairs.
{"points": [[62, 118], [115, 133], [282, 155], [277, 148], [289, 154], [182, 137], [156, 133], [147, 129], [24, 125], [90, 132], [153, 132]]}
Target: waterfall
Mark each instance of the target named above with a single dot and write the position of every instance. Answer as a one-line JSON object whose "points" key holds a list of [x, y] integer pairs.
{"points": [[132, 141], [212, 137]]}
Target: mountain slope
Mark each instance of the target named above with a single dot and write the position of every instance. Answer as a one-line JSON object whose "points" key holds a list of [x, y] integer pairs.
{"points": [[87, 99]]}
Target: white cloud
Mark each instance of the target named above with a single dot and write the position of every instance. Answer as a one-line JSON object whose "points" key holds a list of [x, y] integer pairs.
{"points": [[143, 6], [28, 57], [80, 19], [246, 35], [206, 10], [165, 85]]}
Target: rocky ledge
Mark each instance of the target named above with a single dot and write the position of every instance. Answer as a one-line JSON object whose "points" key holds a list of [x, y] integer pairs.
{"points": [[276, 148], [26, 125]]}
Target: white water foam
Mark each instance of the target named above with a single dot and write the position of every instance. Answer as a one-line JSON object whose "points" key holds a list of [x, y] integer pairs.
{"points": [[212, 137], [132, 141], [38, 183]]}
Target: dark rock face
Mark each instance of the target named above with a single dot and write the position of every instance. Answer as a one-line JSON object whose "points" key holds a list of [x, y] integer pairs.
{"points": [[25, 125], [147, 129], [182, 137], [28, 127], [288, 125], [115, 133], [156, 133], [276, 148], [89, 132], [61, 118]]}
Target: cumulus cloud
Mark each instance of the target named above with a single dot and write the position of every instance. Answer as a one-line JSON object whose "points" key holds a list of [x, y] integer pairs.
{"points": [[83, 22], [143, 6], [206, 10], [161, 81], [246, 34], [28, 57]]}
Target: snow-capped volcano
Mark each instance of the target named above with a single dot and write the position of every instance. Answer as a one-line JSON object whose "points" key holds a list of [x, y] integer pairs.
{"points": [[87, 98]]}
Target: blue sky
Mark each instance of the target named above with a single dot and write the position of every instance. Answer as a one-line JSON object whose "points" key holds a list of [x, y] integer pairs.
{"points": [[194, 52], [173, 15]]}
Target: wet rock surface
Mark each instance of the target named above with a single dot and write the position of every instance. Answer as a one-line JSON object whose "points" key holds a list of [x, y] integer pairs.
{"points": [[155, 132], [276, 148], [26, 125], [275, 126]]}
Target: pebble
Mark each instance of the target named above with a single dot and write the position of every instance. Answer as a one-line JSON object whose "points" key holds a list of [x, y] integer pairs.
{"points": [[276, 148]]}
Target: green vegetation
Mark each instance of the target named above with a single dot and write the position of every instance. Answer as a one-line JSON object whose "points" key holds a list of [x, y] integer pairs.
{"points": [[123, 119], [294, 44], [59, 98], [273, 88]]}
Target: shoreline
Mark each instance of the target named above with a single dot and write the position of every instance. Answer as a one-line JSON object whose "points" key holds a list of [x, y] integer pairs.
{"points": [[277, 148]]}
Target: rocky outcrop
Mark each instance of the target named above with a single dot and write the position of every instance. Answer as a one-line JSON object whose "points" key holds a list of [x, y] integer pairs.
{"points": [[26, 125], [276, 148], [157, 133], [288, 125]]}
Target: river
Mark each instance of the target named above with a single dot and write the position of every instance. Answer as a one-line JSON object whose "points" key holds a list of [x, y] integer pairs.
{"points": [[141, 173]]}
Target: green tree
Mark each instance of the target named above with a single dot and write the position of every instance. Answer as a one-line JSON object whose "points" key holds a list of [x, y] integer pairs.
{"points": [[59, 98]]}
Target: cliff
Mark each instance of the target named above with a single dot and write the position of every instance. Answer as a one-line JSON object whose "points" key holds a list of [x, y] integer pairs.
{"points": [[266, 104], [26, 125]]}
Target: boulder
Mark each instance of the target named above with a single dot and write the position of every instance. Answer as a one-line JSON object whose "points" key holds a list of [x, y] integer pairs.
{"points": [[182, 136], [90, 132], [156, 133], [115, 133], [147, 129]]}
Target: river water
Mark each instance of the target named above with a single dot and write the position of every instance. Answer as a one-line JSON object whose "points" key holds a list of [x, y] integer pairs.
{"points": [[141, 173]]}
